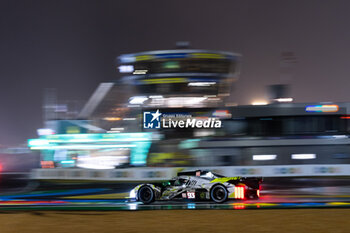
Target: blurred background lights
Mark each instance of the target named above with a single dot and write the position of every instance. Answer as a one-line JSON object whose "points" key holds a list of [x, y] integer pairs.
{"points": [[137, 99], [284, 100], [259, 102], [42, 132], [322, 108], [264, 157], [201, 84], [303, 156], [126, 68]]}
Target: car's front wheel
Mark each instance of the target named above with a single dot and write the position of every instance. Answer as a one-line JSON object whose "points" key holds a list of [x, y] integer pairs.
{"points": [[218, 193], [145, 194]]}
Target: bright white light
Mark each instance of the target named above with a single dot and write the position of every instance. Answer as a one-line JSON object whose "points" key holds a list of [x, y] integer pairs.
{"points": [[137, 99], [177, 101], [340, 136], [259, 103], [194, 100], [126, 69], [132, 206], [117, 129], [303, 156], [101, 162], [284, 100], [38, 142], [184, 101], [43, 132], [155, 96], [208, 175], [129, 119], [132, 194], [127, 59], [140, 72], [201, 84], [264, 157]]}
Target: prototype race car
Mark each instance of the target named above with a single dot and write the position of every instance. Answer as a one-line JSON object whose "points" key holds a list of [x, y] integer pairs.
{"points": [[198, 185]]}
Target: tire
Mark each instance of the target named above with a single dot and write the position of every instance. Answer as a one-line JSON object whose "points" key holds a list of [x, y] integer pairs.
{"points": [[218, 193], [145, 194]]}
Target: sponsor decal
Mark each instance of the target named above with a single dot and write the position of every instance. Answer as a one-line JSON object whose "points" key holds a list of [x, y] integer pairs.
{"points": [[324, 170], [191, 195], [248, 171], [287, 170]]}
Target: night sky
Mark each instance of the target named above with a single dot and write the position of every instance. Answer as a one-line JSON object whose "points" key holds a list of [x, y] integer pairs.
{"points": [[71, 46]]}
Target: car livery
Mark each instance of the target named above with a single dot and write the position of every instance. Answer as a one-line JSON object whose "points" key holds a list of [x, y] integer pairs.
{"points": [[198, 185]]}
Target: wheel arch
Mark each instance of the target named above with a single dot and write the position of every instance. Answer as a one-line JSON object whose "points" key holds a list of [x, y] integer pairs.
{"points": [[216, 185], [152, 187]]}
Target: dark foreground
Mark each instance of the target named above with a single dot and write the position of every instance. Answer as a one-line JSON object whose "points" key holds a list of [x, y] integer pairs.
{"points": [[291, 220], [99, 196]]}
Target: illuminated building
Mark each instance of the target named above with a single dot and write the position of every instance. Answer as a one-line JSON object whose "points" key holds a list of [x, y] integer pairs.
{"points": [[162, 79], [96, 137], [179, 78], [196, 82]]}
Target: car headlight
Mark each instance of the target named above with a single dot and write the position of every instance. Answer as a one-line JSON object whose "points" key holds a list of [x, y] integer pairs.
{"points": [[132, 194]]}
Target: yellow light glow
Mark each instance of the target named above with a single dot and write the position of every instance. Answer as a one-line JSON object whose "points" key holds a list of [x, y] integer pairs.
{"points": [[284, 100], [112, 118], [262, 102]]}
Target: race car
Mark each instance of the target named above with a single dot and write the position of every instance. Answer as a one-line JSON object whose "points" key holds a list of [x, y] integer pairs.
{"points": [[198, 185]]}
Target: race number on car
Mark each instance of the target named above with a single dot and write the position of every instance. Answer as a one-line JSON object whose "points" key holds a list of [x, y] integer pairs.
{"points": [[191, 195]]}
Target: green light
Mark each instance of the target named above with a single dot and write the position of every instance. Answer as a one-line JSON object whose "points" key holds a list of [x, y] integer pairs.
{"points": [[67, 162], [189, 144], [139, 153], [138, 143], [171, 65], [79, 147], [37, 142], [112, 137], [89, 138]]}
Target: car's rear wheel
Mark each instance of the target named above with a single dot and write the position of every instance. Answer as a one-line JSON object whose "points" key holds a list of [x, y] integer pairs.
{"points": [[145, 194], [219, 193]]}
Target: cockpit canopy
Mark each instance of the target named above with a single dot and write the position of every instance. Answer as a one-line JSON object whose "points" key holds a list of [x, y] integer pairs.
{"points": [[200, 173]]}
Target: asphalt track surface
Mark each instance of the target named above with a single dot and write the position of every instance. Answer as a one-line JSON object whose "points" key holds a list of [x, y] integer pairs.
{"points": [[95, 208], [102, 196], [326, 220], [87, 199]]}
